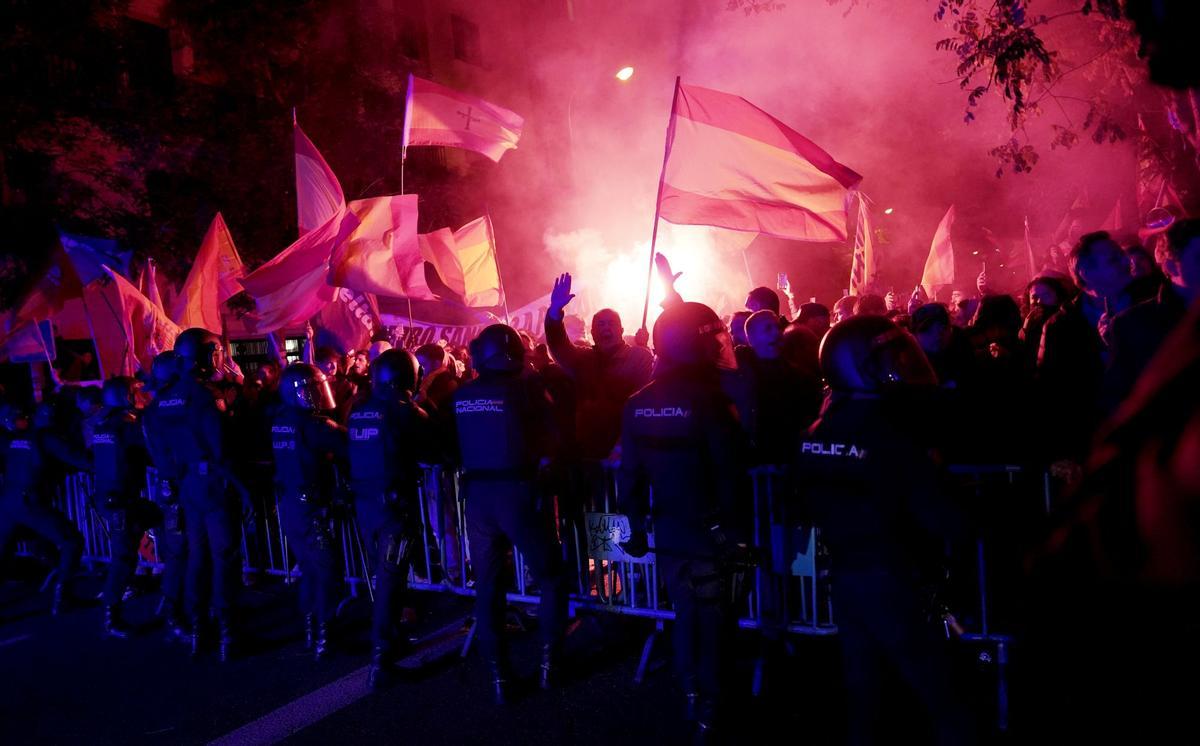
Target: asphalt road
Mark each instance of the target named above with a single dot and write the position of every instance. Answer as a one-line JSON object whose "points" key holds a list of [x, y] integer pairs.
{"points": [[62, 682]]}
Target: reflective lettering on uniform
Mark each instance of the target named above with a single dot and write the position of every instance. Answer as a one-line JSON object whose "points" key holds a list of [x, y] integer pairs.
{"points": [[837, 450], [363, 433], [23, 445], [171, 403], [103, 438], [283, 445], [468, 406], [366, 415], [663, 412]]}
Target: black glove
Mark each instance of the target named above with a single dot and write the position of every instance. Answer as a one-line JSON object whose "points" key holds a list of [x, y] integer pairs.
{"points": [[637, 546], [731, 554]]}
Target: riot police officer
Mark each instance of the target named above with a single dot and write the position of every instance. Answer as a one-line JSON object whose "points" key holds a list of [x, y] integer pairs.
{"points": [[119, 459], [873, 491], [170, 542], [306, 447], [388, 436], [186, 441], [505, 429], [33, 449], [681, 438]]}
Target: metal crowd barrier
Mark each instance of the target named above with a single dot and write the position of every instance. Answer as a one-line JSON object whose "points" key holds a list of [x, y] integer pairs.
{"points": [[789, 591], [605, 579]]}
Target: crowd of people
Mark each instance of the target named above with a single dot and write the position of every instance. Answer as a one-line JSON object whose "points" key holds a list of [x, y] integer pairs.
{"points": [[858, 400]]}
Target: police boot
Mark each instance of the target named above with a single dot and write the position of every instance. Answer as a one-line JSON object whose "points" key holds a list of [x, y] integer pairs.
{"points": [[499, 677], [705, 732], [61, 602], [114, 625], [226, 640], [691, 699], [379, 676], [197, 639], [320, 640], [176, 627], [310, 622], [551, 669]]}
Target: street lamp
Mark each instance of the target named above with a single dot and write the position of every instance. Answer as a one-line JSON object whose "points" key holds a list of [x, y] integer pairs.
{"points": [[623, 75]]}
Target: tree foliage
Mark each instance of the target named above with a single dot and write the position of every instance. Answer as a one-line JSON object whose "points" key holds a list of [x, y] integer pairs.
{"points": [[105, 130], [1076, 71]]}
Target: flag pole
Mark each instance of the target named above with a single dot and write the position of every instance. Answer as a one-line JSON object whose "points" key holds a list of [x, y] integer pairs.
{"points": [[487, 214], [128, 350], [87, 314], [408, 334], [746, 262], [37, 325], [408, 98], [855, 287], [658, 201], [295, 124]]}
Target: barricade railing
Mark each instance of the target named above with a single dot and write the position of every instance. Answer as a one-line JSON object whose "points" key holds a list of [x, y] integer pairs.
{"points": [[589, 527], [606, 577], [998, 496], [788, 589], [791, 589]]}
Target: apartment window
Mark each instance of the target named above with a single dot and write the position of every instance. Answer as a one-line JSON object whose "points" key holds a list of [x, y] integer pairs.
{"points": [[466, 40]]}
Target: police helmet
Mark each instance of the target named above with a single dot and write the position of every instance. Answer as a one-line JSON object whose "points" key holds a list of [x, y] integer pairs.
{"points": [[304, 386], [870, 354], [12, 417], [693, 334], [45, 414], [165, 369], [198, 350], [395, 373], [118, 392], [498, 349]]}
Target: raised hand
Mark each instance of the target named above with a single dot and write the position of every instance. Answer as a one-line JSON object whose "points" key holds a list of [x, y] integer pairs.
{"points": [[664, 270], [916, 300], [560, 296]]}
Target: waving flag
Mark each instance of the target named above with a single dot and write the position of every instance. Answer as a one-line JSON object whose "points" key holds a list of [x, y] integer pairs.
{"points": [[475, 249], [382, 253], [864, 268], [30, 343], [318, 192], [89, 255], [59, 284], [465, 262], [291, 288], [437, 115], [212, 280], [939, 265], [732, 165], [348, 322], [129, 329], [1115, 222]]}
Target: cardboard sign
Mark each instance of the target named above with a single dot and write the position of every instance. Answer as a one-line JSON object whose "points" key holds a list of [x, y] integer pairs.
{"points": [[605, 532]]}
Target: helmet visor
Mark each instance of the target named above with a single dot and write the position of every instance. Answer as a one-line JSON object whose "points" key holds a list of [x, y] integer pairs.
{"points": [[899, 360]]}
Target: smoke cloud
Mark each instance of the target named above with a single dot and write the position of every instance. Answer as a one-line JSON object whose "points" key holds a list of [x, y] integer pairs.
{"points": [[865, 83]]}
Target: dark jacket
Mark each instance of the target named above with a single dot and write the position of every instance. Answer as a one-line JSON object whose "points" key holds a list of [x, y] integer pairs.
{"points": [[603, 383], [681, 438], [1134, 336]]}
